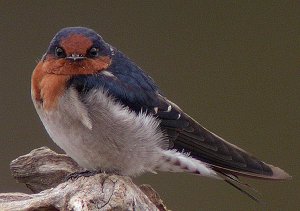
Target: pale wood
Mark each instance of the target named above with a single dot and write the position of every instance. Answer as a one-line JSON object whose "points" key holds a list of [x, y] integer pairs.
{"points": [[44, 172]]}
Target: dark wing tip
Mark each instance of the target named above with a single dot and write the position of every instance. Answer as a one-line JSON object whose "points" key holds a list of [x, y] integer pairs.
{"points": [[279, 174]]}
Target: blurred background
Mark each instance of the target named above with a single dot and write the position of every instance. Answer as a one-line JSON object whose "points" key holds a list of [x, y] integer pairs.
{"points": [[232, 66]]}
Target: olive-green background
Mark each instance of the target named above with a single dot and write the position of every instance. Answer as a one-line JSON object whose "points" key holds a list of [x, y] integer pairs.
{"points": [[232, 65]]}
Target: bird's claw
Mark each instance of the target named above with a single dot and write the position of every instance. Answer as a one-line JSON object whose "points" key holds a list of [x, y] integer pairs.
{"points": [[77, 174]]}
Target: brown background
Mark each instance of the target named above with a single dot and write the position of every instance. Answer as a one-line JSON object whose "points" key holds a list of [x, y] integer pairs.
{"points": [[232, 66]]}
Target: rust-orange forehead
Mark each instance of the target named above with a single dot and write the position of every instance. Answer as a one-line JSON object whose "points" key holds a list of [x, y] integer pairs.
{"points": [[76, 43]]}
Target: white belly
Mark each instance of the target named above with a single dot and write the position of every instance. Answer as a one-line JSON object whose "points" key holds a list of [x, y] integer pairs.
{"points": [[102, 135]]}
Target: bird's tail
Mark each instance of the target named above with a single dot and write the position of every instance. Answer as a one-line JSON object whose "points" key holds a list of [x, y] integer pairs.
{"points": [[242, 187], [181, 162]]}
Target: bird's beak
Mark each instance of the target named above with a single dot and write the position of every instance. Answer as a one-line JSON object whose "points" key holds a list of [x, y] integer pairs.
{"points": [[75, 57]]}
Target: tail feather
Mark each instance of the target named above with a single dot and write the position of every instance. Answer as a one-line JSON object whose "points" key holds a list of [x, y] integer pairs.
{"points": [[242, 187], [181, 162]]}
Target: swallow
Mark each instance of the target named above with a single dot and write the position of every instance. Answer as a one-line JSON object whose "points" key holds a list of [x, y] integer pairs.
{"points": [[108, 115]]}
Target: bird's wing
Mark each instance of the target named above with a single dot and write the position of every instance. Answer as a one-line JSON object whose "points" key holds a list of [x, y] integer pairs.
{"points": [[137, 91], [189, 136]]}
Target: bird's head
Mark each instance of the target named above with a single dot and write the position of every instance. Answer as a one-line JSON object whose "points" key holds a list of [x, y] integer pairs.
{"points": [[76, 51]]}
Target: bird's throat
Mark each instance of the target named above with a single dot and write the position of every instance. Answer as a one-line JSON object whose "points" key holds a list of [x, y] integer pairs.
{"points": [[50, 77], [46, 87]]}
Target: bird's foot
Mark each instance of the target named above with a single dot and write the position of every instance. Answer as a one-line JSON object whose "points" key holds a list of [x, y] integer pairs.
{"points": [[84, 173]]}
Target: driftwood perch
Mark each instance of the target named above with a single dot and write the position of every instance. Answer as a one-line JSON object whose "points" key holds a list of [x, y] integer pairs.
{"points": [[44, 172]]}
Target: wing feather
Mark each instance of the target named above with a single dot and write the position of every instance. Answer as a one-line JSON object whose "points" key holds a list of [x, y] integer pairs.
{"points": [[189, 136]]}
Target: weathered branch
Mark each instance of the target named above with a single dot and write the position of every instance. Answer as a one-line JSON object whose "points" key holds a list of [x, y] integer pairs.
{"points": [[44, 172]]}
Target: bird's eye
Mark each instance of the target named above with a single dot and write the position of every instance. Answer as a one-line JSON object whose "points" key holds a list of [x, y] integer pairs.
{"points": [[94, 52], [59, 52]]}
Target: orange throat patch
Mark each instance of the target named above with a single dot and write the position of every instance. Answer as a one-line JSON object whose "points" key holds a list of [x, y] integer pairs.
{"points": [[50, 77], [47, 88]]}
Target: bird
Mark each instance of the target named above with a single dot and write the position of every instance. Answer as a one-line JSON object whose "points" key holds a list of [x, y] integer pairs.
{"points": [[110, 116]]}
